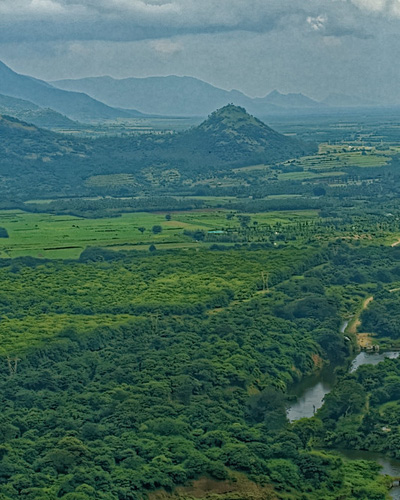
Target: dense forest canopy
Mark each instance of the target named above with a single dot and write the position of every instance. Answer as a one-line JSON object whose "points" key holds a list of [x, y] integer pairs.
{"points": [[162, 294]]}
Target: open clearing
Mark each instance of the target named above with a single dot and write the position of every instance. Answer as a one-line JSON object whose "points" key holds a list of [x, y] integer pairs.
{"points": [[65, 237]]}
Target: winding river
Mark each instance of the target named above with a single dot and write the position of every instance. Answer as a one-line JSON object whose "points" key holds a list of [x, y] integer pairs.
{"points": [[310, 392]]}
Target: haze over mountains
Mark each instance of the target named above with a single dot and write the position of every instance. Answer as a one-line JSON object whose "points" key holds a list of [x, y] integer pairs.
{"points": [[75, 105], [106, 98], [187, 96], [180, 95]]}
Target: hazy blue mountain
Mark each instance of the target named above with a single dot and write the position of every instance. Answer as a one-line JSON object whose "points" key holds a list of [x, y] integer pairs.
{"points": [[75, 105], [32, 113], [346, 101], [17, 105], [169, 95], [180, 95], [298, 101]]}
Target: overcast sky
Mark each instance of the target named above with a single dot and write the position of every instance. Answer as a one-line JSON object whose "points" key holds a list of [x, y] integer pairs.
{"points": [[312, 46]]}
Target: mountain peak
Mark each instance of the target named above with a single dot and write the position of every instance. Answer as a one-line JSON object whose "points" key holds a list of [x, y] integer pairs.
{"points": [[231, 117], [232, 135], [230, 108], [291, 100]]}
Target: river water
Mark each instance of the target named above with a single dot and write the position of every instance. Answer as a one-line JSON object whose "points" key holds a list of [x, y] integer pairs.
{"points": [[310, 393], [390, 466]]}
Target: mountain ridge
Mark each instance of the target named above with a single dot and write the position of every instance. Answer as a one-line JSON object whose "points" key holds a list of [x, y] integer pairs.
{"points": [[170, 95], [75, 105], [174, 95]]}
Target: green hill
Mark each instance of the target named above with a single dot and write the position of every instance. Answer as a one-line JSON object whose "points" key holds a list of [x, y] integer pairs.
{"points": [[37, 162], [32, 113], [232, 136]]}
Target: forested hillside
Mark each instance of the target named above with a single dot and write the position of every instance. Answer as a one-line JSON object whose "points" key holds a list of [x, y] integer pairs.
{"points": [[31, 113], [229, 138]]}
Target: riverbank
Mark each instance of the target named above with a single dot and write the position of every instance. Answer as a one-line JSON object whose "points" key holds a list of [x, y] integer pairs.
{"points": [[310, 394], [364, 339]]}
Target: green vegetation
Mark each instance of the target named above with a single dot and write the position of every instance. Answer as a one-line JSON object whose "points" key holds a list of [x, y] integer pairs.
{"points": [[128, 284], [129, 372], [53, 236], [148, 343], [362, 412], [383, 316], [174, 366]]}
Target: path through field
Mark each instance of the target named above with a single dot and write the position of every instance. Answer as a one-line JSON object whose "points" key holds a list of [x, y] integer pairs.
{"points": [[363, 339]]}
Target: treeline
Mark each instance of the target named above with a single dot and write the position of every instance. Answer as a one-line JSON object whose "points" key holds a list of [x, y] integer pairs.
{"points": [[106, 207]]}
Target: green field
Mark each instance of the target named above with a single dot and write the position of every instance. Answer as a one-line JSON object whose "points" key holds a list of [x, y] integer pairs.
{"points": [[346, 155], [296, 176], [63, 237]]}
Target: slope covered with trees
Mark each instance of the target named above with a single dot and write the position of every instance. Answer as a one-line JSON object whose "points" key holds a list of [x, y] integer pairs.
{"points": [[230, 137]]}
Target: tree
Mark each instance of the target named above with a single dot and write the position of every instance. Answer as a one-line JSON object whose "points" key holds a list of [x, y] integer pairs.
{"points": [[244, 220], [156, 229], [142, 229], [319, 191]]}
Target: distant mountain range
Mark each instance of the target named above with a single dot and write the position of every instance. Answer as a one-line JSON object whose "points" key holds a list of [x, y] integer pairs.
{"points": [[38, 162], [180, 96], [347, 101], [75, 105], [105, 98]]}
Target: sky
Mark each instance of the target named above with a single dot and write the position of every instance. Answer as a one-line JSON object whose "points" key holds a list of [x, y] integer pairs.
{"points": [[316, 47]]}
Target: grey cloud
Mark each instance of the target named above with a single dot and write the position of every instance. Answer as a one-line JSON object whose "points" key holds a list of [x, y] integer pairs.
{"points": [[389, 8], [130, 20]]}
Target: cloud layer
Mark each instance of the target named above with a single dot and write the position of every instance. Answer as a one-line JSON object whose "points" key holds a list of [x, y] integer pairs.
{"points": [[140, 19], [313, 46]]}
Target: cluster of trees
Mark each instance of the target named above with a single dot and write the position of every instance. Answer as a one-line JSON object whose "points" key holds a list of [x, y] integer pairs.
{"points": [[167, 393], [160, 401], [362, 412], [112, 207], [383, 315]]}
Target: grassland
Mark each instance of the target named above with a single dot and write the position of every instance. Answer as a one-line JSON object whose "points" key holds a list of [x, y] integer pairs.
{"points": [[330, 161], [65, 237], [334, 157]]}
